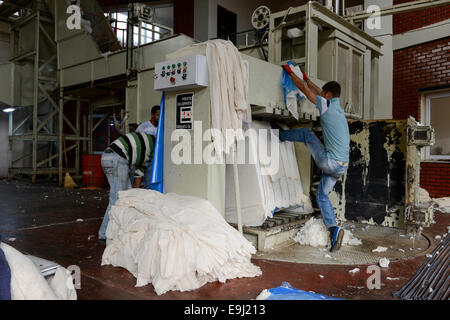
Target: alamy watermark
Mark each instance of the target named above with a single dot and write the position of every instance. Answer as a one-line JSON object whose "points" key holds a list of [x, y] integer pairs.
{"points": [[374, 280], [73, 22], [212, 146], [74, 277], [374, 21]]}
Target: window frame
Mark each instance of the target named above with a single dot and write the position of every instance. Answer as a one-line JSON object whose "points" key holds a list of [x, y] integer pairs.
{"points": [[428, 98]]}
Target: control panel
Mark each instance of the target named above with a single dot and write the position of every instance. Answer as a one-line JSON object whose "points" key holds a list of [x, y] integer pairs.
{"points": [[182, 73]]}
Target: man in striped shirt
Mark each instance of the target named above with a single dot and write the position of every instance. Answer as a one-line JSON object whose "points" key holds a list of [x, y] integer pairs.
{"points": [[131, 151]]}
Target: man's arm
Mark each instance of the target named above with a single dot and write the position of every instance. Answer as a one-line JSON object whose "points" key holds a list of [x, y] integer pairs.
{"points": [[299, 83], [315, 89], [138, 174]]}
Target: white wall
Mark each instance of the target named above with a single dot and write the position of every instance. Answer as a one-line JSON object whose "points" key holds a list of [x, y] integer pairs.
{"points": [[384, 108], [163, 15]]}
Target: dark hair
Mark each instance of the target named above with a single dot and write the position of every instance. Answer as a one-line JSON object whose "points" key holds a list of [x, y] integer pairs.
{"points": [[155, 109], [333, 87]]}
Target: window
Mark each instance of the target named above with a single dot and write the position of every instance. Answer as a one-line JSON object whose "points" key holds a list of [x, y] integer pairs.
{"points": [[149, 32], [437, 115]]}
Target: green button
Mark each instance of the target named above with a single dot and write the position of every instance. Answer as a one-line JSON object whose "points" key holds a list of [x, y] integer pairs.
{"points": [[164, 68], [173, 66], [184, 63], [168, 67], [179, 64]]}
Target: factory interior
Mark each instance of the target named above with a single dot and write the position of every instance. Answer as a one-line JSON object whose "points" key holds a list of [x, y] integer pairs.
{"points": [[145, 152]]}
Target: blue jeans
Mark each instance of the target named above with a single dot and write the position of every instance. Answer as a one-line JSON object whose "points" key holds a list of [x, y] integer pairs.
{"points": [[331, 169], [116, 170]]}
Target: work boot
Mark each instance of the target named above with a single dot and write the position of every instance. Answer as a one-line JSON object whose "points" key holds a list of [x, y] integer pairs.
{"points": [[336, 236], [275, 126]]}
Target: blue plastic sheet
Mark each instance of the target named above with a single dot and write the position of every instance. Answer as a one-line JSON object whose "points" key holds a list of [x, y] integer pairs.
{"points": [[287, 84], [5, 277], [157, 173], [288, 292]]}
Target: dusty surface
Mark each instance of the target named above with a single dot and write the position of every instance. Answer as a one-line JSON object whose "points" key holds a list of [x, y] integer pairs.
{"points": [[399, 246], [42, 221]]}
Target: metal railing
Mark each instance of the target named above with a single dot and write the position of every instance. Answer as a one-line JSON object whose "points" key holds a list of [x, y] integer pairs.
{"points": [[245, 38], [145, 33]]}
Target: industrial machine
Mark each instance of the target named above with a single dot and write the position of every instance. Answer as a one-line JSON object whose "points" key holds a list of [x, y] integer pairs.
{"points": [[62, 77], [306, 35]]}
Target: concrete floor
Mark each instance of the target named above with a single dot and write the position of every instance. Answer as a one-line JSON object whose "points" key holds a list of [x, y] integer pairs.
{"points": [[41, 220]]}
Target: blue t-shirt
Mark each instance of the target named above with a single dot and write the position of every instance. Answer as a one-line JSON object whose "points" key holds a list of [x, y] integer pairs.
{"points": [[335, 128]]}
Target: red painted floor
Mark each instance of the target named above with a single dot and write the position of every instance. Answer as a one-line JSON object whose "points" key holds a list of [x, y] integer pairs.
{"points": [[42, 219]]}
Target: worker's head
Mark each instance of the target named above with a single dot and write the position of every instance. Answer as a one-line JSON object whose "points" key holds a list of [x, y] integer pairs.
{"points": [[155, 114], [331, 90]]}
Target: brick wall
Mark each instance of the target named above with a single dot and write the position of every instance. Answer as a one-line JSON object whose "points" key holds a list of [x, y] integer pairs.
{"points": [[435, 178], [425, 66], [412, 20], [415, 68], [422, 67]]}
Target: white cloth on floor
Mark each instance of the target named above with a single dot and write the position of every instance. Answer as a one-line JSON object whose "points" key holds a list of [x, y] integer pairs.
{"points": [[174, 242], [27, 282], [262, 188]]}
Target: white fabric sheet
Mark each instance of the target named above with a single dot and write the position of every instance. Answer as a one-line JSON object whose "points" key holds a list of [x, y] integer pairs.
{"points": [[228, 84], [27, 282], [291, 97], [261, 189], [174, 242]]}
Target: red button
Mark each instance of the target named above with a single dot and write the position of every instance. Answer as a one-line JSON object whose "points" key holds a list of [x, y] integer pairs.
{"points": [[172, 79]]}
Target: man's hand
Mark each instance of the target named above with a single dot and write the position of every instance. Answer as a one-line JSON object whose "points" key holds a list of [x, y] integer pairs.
{"points": [[305, 77], [287, 69], [137, 182]]}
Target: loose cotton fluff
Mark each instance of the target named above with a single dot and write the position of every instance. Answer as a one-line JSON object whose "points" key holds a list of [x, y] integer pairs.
{"points": [[314, 233], [384, 262]]}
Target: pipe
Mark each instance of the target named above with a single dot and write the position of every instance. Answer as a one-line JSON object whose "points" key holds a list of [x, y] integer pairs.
{"points": [[236, 188], [336, 6]]}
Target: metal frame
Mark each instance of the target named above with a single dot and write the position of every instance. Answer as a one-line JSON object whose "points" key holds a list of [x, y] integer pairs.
{"points": [[48, 130], [312, 15], [428, 97]]}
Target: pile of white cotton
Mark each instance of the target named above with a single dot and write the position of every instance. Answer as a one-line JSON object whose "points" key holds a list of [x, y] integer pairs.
{"points": [[27, 282], [174, 242], [314, 233]]}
